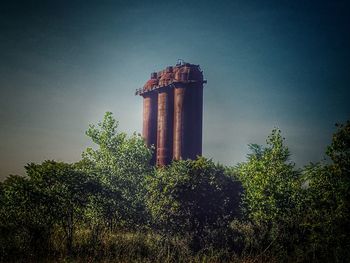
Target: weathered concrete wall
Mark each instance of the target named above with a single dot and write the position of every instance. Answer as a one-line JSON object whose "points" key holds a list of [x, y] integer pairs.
{"points": [[149, 127], [173, 113]]}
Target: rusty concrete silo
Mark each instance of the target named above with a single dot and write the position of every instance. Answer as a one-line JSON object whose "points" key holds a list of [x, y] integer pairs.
{"points": [[150, 108], [173, 112]]}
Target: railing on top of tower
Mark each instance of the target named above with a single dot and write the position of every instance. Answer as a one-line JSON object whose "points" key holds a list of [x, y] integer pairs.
{"points": [[180, 63]]}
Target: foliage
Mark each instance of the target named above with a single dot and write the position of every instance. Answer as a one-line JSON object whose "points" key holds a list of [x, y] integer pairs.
{"points": [[192, 197], [271, 186], [113, 205], [327, 201], [52, 194], [269, 180], [25, 223], [67, 191], [120, 163]]}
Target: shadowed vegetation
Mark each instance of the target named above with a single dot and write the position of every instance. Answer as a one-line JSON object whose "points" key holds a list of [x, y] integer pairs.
{"points": [[113, 206]]}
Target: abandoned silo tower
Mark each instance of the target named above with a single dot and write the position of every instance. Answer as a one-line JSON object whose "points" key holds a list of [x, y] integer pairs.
{"points": [[173, 112]]}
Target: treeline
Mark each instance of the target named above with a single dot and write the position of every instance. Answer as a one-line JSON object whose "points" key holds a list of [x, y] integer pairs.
{"points": [[112, 205]]}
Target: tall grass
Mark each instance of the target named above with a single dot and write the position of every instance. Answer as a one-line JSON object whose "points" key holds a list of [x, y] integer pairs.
{"points": [[128, 247]]}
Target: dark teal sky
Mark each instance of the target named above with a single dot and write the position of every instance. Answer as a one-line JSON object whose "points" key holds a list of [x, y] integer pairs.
{"points": [[268, 63]]}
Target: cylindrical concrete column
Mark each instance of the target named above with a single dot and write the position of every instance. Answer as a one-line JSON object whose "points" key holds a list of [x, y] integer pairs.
{"points": [[194, 114], [162, 131], [179, 123], [149, 127], [198, 122], [146, 127]]}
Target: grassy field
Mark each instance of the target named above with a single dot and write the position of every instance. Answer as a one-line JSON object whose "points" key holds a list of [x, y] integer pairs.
{"points": [[131, 247]]}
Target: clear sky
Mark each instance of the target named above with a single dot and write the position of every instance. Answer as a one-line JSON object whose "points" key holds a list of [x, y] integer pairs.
{"points": [[268, 64]]}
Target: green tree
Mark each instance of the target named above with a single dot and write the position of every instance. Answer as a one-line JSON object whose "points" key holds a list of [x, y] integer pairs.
{"points": [[25, 221], [271, 186], [52, 194], [120, 163], [193, 198], [327, 202], [64, 191]]}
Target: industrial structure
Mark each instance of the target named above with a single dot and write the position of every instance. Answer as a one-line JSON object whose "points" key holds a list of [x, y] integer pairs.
{"points": [[173, 112]]}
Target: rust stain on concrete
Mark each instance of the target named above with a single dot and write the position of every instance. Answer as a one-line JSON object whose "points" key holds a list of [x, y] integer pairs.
{"points": [[173, 112]]}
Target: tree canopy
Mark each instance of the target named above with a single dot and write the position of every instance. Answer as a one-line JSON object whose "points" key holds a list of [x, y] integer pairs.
{"points": [[263, 209]]}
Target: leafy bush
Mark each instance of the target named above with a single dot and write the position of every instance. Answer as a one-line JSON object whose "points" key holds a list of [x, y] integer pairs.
{"points": [[194, 198], [114, 205], [120, 163]]}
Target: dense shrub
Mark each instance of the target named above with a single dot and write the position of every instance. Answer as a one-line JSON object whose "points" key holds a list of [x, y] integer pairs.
{"points": [[194, 198], [113, 206]]}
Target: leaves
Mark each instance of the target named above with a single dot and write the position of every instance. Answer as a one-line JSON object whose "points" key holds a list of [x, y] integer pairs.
{"points": [[120, 163], [289, 214], [269, 180], [190, 196]]}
